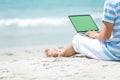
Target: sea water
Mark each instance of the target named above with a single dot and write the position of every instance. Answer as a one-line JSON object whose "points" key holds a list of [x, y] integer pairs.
{"points": [[43, 22]]}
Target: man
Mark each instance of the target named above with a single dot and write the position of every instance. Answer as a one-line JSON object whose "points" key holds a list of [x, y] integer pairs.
{"points": [[103, 45]]}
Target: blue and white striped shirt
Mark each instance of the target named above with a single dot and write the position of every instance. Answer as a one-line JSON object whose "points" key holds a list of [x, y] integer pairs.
{"points": [[111, 14]]}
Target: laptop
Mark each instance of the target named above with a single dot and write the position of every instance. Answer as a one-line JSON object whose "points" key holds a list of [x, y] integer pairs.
{"points": [[83, 23]]}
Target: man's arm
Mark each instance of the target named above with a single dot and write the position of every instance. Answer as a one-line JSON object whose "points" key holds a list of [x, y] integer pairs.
{"points": [[104, 34]]}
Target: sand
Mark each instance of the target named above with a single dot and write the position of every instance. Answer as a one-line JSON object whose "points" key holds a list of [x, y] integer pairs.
{"points": [[30, 63]]}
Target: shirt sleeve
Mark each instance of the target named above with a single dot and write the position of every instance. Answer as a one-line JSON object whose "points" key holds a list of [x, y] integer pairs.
{"points": [[109, 12]]}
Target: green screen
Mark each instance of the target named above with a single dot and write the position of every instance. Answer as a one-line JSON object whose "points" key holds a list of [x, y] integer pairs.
{"points": [[83, 23]]}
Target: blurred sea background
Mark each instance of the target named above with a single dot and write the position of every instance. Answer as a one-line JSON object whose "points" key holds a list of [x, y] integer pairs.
{"points": [[43, 22]]}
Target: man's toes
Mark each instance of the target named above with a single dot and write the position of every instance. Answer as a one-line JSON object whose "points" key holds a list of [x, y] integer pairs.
{"points": [[47, 52]]}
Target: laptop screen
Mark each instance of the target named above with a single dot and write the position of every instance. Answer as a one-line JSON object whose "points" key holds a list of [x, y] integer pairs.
{"points": [[83, 23]]}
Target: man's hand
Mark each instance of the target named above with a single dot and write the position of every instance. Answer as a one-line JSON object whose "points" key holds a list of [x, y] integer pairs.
{"points": [[92, 34]]}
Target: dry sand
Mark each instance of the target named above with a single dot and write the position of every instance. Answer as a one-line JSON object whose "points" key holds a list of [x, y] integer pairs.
{"points": [[30, 63]]}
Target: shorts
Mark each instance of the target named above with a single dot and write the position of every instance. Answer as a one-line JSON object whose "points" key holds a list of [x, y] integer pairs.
{"points": [[88, 46]]}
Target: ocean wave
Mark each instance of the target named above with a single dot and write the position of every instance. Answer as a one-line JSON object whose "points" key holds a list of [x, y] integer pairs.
{"points": [[32, 22]]}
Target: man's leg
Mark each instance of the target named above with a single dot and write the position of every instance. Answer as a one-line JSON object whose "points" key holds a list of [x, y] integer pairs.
{"points": [[67, 52]]}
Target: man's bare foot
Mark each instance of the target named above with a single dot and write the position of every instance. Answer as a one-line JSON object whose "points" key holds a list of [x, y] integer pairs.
{"points": [[50, 53]]}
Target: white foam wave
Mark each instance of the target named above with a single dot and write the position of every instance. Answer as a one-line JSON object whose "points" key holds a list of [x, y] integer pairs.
{"points": [[32, 22]]}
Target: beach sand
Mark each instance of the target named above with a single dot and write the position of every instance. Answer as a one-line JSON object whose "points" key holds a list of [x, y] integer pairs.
{"points": [[30, 63]]}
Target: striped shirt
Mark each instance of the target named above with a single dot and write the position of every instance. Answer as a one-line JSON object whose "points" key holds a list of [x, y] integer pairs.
{"points": [[111, 14]]}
